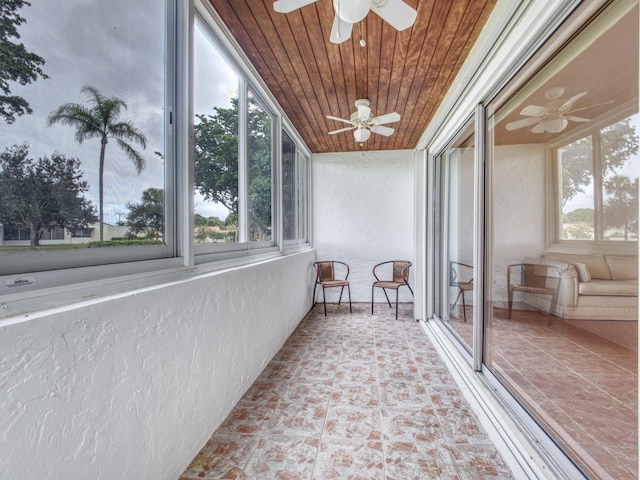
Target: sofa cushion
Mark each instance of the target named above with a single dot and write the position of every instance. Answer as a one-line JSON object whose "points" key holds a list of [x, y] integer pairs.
{"points": [[621, 288], [596, 264], [622, 268], [583, 272]]}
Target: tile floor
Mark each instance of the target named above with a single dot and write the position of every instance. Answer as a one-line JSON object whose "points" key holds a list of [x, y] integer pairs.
{"points": [[581, 386], [352, 396]]}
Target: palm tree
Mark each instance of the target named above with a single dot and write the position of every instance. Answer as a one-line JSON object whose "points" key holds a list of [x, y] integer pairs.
{"points": [[100, 119]]}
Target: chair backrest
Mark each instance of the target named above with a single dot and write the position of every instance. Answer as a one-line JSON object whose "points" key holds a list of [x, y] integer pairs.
{"points": [[401, 271], [326, 271], [534, 275]]}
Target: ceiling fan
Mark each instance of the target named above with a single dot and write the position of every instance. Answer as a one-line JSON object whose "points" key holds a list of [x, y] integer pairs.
{"points": [[395, 12], [363, 122], [554, 116]]}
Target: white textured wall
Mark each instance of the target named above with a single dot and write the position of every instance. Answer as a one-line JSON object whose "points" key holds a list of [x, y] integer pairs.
{"points": [[363, 212], [131, 387], [519, 208]]}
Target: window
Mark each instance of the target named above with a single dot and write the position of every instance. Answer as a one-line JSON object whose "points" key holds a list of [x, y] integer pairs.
{"points": [[294, 188], [84, 137], [599, 183]]}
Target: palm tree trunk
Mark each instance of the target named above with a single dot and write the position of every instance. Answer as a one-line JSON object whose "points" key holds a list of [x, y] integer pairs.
{"points": [[103, 147]]}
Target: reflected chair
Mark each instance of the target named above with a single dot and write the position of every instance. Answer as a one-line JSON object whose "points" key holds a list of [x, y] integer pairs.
{"points": [[461, 277], [532, 278], [326, 278], [399, 278]]}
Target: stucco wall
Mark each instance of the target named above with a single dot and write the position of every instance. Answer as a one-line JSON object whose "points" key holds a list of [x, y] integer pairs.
{"points": [[363, 212], [132, 386]]}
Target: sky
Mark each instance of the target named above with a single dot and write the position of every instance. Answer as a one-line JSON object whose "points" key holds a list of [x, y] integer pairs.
{"points": [[117, 46]]}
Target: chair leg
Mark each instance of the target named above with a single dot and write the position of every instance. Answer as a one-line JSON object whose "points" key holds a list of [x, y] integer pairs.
{"points": [[510, 301], [340, 299], [387, 296], [349, 292], [397, 289], [464, 308], [372, 290], [324, 301], [313, 298]]}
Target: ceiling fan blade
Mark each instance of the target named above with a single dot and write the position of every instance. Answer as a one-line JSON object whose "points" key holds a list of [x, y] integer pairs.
{"points": [[381, 130], [534, 111], [525, 122], [346, 129], [387, 118], [286, 6], [340, 31], [577, 119], [539, 128], [338, 119], [395, 12], [591, 106], [567, 105]]}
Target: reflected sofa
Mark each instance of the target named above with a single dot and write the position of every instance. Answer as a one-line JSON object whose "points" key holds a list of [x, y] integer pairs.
{"points": [[591, 286]]}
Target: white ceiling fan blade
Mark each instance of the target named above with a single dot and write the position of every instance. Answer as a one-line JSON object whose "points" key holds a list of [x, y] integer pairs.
{"points": [[591, 106], [286, 6], [539, 128], [525, 122], [577, 119], [387, 118], [534, 111], [340, 31], [381, 130], [395, 12], [346, 129], [338, 119], [567, 105]]}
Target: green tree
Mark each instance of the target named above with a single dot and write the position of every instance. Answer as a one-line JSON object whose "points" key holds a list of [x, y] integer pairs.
{"points": [[101, 120], [621, 207], [41, 194], [16, 63], [148, 216], [579, 215], [216, 164]]}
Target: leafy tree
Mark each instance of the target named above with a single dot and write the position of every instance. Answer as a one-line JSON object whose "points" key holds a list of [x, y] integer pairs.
{"points": [[101, 119], [216, 164], [621, 207], [148, 216], [41, 194], [16, 63], [619, 142], [579, 215]]}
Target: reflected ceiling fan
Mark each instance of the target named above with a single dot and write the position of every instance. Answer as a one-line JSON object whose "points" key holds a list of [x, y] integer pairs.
{"points": [[554, 116], [395, 12], [363, 122]]}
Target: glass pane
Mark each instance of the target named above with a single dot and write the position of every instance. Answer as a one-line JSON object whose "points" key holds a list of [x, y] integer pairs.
{"points": [[454, 304], [563, 347], [82, 141], [260, 168], [303, 165], [289, 188], [576, 166], [215, 143], [620, 172]]}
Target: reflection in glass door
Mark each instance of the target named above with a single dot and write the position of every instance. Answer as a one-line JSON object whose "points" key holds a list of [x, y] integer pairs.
{"points": [[454, 243]]}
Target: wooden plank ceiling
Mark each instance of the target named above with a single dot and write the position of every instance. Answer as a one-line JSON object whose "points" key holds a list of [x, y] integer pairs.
{"points": [[406, 72]]}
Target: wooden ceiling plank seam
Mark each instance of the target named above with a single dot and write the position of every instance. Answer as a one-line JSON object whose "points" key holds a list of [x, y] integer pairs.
{"points": [[458, 49], [282, 58], [237, 26], [420, 64], [323, 66], [404, 41], [462, 55]]}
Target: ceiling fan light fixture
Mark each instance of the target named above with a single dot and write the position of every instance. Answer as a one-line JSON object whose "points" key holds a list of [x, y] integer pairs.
{"points": [[362, 134], [352, 11]]}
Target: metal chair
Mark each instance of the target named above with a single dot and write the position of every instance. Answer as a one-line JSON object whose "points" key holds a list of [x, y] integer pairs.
{"points": [[534, 278], [461, 277], [400, 278], [326, 278]]}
